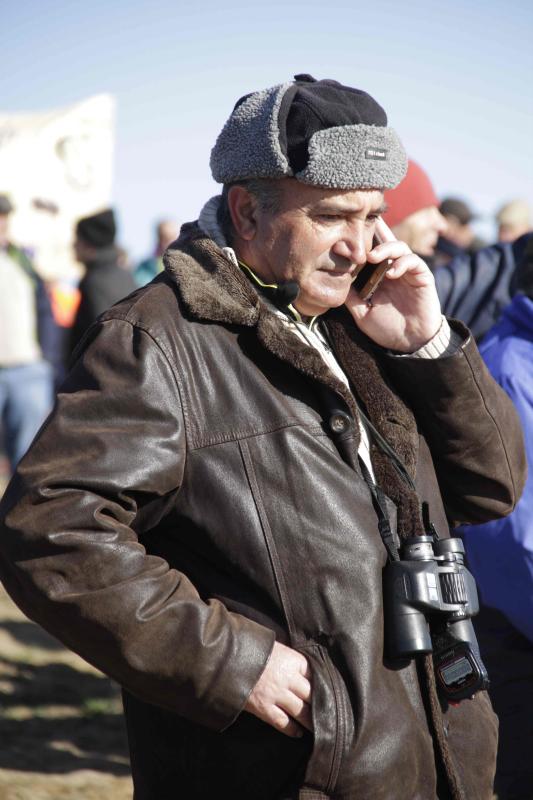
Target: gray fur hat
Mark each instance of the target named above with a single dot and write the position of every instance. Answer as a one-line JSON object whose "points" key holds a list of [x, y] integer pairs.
{"points": [[319, 132]]}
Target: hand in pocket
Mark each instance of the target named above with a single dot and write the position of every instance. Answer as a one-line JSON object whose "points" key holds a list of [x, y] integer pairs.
{"points": [[281, 695]]}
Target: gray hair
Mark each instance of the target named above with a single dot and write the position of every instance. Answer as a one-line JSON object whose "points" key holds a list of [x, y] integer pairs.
{"points": [[266, 191]]}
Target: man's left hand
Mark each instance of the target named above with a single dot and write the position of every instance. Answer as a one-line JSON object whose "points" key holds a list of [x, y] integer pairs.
{"points": [[404, 313]]}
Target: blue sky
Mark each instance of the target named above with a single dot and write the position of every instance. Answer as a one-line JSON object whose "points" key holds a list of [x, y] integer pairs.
{"points": [[455, 79]]}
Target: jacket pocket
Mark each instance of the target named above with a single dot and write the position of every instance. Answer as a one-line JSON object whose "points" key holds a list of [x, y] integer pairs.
{"points": [[275, 561], [333, 726]]}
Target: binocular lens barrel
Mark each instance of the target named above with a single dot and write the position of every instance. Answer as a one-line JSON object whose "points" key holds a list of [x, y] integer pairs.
{"points": [[411, 636]]}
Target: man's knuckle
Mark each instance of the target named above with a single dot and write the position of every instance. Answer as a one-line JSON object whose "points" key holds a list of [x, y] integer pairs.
{"points": [[278, 716]]}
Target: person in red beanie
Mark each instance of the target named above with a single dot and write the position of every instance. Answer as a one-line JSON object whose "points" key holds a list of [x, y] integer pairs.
{"points": [[413, 212]]}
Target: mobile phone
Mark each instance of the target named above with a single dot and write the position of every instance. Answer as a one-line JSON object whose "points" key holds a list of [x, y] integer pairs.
{"points": [[371, 275]]}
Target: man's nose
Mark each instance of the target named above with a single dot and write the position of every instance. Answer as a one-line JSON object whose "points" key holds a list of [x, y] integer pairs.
{"points": [[352, 246]]}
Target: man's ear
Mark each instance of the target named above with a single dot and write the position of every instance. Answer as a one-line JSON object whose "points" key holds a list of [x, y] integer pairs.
{"points": [[243, 209]]}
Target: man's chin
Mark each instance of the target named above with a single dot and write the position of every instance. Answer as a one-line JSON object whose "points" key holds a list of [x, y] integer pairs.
{"points": [[427, 251], [315, 306]]}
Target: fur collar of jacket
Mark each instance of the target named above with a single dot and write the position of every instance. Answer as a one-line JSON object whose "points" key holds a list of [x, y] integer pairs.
{"points": [[213, 289]]}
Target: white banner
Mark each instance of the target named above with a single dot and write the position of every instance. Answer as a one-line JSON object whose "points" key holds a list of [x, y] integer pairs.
{"points": [[56, 167]]}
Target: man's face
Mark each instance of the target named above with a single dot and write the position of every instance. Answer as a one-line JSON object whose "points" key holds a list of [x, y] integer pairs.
{"points": [[421, 230], [167, 232], [83, 252], [457, 232], [317, 237]]}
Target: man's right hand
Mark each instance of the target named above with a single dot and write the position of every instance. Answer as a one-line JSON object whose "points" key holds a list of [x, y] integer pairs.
{"points": [[282, 693]]}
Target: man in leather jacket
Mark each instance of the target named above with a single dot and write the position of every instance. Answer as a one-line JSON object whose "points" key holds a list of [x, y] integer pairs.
{"points": [[197, 518]]}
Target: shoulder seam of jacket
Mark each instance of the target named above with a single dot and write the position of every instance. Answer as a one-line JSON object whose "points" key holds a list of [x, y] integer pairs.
{"points": [[117, 317]]}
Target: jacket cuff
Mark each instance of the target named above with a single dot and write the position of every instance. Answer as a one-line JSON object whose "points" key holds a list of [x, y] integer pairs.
{"points": [[445, 343], [437, 370], [251, 647]]}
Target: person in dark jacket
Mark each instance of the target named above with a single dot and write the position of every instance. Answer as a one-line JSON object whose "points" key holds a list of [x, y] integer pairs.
{"points": [[500, 555], [239, 449], [476, 288], [105, 281]]}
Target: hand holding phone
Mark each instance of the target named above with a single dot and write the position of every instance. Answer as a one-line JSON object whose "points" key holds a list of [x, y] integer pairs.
{"points": [[371, 275], [408, 313]]}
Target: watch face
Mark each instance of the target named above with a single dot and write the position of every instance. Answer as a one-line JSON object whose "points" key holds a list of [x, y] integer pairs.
{"points": [[460, 673], [454, 673]]}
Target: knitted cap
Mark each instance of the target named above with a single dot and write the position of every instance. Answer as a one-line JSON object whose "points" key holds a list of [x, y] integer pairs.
{"points": [[320, 132], [99, 230], [414, 192]]}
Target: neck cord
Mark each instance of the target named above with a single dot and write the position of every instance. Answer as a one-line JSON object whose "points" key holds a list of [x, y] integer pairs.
{"points": [[377, 493], [380, 506], [273, 289], [400, 468]]}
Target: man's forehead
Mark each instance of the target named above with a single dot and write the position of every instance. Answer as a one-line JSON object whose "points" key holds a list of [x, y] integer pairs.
{"points": [[353, 200], [317, 198]]}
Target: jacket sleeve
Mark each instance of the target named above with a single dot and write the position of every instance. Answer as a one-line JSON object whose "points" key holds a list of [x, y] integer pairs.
{"points": [[471, 427], [108, 462], [500, 553]]}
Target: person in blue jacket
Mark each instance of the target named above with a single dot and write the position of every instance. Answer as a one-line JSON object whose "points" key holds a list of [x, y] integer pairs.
{"points": [[500, 555]]}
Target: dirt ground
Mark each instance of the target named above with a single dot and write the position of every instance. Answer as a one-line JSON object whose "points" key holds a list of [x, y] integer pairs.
{"points": [[61, 728]]}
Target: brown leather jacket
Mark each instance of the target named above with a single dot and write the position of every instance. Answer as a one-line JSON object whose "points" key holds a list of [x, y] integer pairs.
{"points": [[187, 503]]}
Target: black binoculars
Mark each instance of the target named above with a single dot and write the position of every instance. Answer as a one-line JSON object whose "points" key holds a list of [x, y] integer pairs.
{"points": [[429, 598]]}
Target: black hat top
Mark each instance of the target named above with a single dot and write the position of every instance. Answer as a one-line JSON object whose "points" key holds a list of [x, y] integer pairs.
{"points": [[98, 230]]}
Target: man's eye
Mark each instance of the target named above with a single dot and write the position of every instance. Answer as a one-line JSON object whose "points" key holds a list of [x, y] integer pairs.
{"points": [[329, 217]]}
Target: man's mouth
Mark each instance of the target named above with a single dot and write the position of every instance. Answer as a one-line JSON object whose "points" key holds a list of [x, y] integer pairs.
{"points": [[351, 270]]}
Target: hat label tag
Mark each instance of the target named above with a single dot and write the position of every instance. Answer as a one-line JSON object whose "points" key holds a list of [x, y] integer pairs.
{"points": [[376, 153]]}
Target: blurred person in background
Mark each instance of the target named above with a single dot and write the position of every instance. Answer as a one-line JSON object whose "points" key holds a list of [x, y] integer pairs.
{"points": [[413, 213], [476, 288], [513, 219], [29, 344], [166, 232], [500, 555], [459, 234], [472, 287], [105, 280]]}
